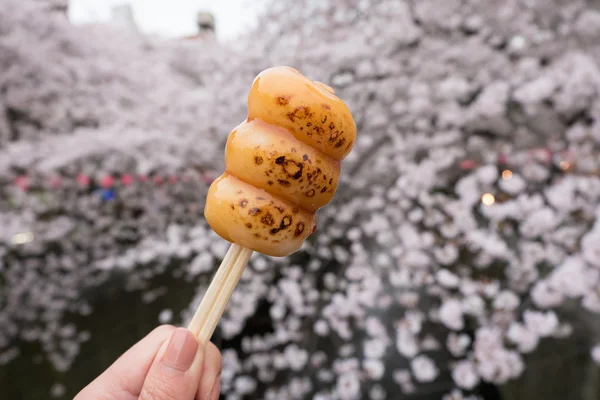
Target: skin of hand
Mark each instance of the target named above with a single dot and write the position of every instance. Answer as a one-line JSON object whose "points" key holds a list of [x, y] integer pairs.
{"points": [[168, 364]]}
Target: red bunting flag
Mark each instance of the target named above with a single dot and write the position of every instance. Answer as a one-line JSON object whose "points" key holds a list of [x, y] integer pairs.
{"points": [[107, 181], [83, 180], [467, 164], [207, 179], [55, 182], [543, 155], [22, 182], [126, 180]]}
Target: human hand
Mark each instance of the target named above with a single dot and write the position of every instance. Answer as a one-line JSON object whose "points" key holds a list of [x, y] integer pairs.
{"points": [[168, 364]]}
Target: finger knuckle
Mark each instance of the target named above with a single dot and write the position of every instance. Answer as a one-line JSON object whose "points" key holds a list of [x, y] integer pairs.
{"points": [[219, 361], [163, 330], [216, 357], [156, 389]]}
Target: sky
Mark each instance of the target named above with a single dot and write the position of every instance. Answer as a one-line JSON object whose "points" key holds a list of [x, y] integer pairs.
{"points": [[171, 18]]}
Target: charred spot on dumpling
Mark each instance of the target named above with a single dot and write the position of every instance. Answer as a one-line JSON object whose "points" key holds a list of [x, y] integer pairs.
{"points": [[282, 100], [248, 225], [305, 157], [267, 219], [285, 222], [280, 160], [302, 112], [310, 193], [299, 229], [340, 143], [334, 136], [327, 107], [292, 169], [280, 209], [270, 183], [284, 183], [314, 176], [254, 210], [258, 160], [324, 189], [295, 210], [243, 203]]}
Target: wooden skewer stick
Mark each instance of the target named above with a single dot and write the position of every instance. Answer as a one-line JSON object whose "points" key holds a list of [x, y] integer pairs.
{"points": [[209, 312]]}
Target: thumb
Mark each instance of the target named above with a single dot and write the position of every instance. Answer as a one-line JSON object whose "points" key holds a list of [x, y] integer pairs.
{"points": [[176, 371]]}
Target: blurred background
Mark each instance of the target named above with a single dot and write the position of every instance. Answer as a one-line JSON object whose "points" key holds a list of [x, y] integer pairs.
{"points": [[459, 259]]}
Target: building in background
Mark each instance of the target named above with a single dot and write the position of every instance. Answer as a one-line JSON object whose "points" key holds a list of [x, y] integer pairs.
{"points": [[60, 6], [122, 16], [205, 21]]}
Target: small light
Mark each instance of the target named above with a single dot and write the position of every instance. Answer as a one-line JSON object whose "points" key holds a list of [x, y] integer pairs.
{"points": [[564, 165], [506, 174], [488, 199], [22, 238]]}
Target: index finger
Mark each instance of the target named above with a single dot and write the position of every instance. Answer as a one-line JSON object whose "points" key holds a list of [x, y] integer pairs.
{"points": [[125, 377]]}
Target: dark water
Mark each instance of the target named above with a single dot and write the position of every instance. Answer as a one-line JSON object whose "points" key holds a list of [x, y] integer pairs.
{"points": [[119, 319], [558, 370]]}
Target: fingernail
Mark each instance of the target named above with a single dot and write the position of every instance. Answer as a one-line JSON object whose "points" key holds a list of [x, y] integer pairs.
{"points": [[181, 350], [216, 390]]}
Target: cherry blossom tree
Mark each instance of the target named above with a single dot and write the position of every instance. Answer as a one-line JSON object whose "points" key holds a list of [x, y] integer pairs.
{"points": [[463, 242]]}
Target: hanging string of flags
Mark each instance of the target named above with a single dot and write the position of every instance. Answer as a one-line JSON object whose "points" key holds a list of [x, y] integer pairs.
{"points": [[564, 159], [109, 181]]}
